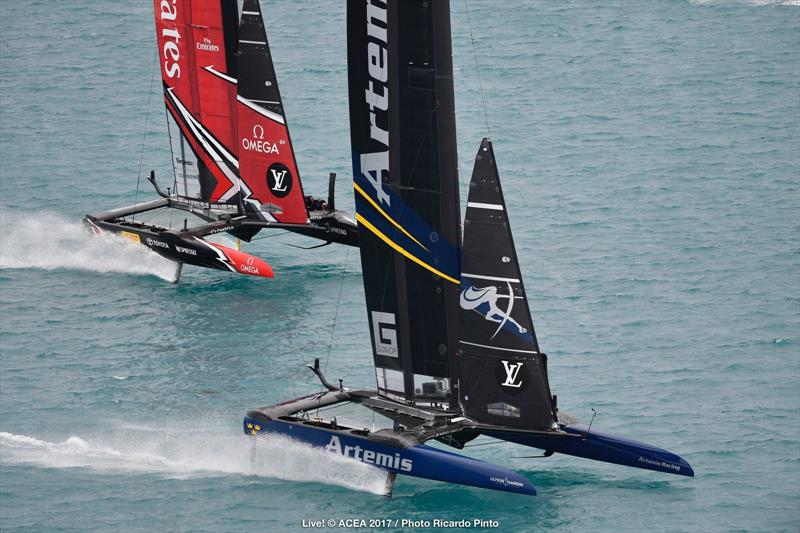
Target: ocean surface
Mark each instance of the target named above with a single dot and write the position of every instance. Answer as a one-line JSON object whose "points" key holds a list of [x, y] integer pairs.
{"points": [[650, 153]]}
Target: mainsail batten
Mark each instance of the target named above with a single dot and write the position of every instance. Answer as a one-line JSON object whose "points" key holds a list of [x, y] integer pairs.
{"points": [[406, 189]]}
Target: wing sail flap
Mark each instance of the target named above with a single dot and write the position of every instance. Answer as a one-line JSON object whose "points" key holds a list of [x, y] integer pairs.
{"points": [[267, 164], [502, 374]]}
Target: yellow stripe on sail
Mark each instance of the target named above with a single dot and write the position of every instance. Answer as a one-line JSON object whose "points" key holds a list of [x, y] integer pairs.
{"points": [[387, 217], [408, 255]]}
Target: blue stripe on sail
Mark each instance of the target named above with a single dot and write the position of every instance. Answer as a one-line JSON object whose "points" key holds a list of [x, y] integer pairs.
{"points": [[405, 227]]}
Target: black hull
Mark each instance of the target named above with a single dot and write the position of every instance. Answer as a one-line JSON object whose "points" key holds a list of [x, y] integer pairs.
{"points": [[183, 247], [188, 246]]}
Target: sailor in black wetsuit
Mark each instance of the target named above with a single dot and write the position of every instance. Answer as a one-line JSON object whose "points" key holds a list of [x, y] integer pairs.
{"points": [[315, 204]]}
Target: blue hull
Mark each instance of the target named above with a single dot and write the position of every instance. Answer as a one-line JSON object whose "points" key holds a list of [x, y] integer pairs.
{"points": [[602, 447], [420, 460]]}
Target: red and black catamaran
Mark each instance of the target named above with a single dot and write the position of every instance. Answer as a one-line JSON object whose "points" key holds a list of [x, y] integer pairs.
{"points": [[233, 160]]}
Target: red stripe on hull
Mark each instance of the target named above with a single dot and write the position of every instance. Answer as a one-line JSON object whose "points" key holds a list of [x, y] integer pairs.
{"points": [[245, 263]]}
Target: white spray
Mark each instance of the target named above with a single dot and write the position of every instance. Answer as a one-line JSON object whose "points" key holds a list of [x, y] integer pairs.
{"points": [[51, 241], [192, 453]]}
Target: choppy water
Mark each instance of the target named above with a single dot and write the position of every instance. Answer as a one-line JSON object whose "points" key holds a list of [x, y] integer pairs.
{"points": [[651, 156]]}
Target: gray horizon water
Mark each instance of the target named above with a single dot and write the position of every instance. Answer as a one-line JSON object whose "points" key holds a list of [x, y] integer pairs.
{"points": [[650, 155]]}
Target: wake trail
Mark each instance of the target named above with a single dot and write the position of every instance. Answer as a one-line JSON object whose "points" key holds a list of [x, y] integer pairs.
{"points": [[51, 241], [191, 454]]}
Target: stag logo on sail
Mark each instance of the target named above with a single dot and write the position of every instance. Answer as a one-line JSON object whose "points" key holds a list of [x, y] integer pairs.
{"points": [[279, 180], [170, 51], [375, 163], [485, 301], [384, 333], [384, 460]]}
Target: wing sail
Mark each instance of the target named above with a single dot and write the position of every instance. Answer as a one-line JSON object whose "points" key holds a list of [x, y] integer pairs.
{"points": [[195, 44], [406, 187]]}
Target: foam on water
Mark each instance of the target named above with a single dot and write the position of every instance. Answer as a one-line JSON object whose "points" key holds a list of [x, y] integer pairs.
{"points": [[174, 453], [50, 241]]}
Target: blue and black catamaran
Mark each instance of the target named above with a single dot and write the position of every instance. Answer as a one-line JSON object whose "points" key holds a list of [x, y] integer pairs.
{"points": [[454, 348]]}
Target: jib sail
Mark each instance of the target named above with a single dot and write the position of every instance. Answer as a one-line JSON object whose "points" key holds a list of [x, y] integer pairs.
{"points": [[196, 45], [502, 374], [267, 164], [402, 125]]}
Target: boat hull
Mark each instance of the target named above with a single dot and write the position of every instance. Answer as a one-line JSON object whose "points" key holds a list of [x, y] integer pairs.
{"points": [[601, 446], [418, 460], [187, 248]]}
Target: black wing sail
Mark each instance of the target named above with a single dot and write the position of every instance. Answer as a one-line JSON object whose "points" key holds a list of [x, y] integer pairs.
{"points": [[502, 374], [402, 122]]}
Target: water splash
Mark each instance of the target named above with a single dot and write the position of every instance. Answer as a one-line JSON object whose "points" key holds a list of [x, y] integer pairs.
{"points": [[50, 241], [191, 454]]}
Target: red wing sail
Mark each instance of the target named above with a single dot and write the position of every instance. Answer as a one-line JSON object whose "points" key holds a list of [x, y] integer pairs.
{"points": [[195, 41], [267, 165]]}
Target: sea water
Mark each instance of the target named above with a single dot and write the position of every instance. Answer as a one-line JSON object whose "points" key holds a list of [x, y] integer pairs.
{"points": [[650, 154]]}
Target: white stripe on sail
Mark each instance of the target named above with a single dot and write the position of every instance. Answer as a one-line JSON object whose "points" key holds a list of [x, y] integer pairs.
{"points": [[256, 13], [198, 126], [269, 114], [493, 278], [267, 216], [252, 42], [263, 101], [493, 207], [497, 347], [233, 190], [207, 140], [225, 77]]}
